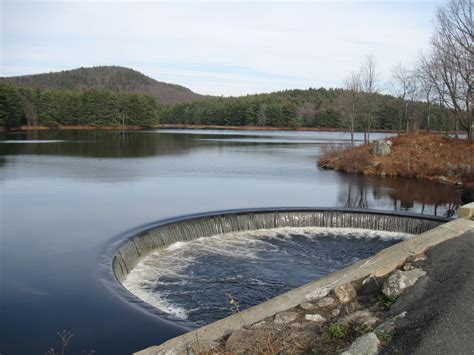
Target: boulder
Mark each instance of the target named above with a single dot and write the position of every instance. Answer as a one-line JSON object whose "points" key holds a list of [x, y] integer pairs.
{"points": [[325, 302], [399, 281], [381, 148], [345, 293], [442, 179], [317, 318], [350, 307], [260, 324], [308, 306], [285, 317], [363, 318], [317, 294], [172, 351], [367, 344], [335, 312], [388, 327], [369, 286]]}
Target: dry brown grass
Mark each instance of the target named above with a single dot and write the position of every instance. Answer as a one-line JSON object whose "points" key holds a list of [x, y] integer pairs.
{"points": [[421, 156]]}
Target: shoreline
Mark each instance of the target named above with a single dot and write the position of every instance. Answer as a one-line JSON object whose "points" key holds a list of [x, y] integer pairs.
{"points": [[429, 157], [26, 128]]}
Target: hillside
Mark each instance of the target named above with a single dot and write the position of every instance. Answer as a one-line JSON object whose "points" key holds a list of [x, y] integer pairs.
{"points": [[112, 78]]}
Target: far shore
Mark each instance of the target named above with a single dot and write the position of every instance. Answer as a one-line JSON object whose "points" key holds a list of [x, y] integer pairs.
{"points": [[185, 126]]}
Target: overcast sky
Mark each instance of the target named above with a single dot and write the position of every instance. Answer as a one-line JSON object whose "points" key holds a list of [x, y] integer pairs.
{"points": [[220, 47]]}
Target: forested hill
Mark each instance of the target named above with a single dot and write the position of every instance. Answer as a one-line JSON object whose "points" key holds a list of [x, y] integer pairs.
{"points": [[112, 78], [115, 96]]}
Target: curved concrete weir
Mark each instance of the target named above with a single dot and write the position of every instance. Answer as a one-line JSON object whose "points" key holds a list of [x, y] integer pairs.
{"points": [[163, 233]]}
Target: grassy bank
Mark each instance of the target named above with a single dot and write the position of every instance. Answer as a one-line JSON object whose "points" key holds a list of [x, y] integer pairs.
{"points": [[433, 157]]}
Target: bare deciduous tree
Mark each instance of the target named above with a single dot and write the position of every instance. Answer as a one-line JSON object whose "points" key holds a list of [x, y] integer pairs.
{"points": [[400, 87], [368, 81], [348, 101], [307, 113], [449, 64], [427, 88]]}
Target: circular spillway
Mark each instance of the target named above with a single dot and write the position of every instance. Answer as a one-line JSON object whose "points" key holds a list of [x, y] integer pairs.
{"points": [[201, 268]]}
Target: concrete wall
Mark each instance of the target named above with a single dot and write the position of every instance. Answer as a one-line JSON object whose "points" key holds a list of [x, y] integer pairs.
{"points": [[188, 228], [379, 265]]}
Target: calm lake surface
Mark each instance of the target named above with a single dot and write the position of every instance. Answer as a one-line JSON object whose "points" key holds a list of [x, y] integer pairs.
{"points": [[66, 195]]}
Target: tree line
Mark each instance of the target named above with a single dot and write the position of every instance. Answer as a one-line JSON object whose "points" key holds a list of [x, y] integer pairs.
{"points": [[433, 94], [318, 108], [52, 107], [444, 74], [314, 108]]}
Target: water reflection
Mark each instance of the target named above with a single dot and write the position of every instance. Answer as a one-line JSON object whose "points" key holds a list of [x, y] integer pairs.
{"points": [[96, 144], [286, 156], [404, 194], [63, 201]]}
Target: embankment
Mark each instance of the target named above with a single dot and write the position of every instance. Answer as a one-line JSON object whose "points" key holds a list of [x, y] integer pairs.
{"points": [[422, 156]]}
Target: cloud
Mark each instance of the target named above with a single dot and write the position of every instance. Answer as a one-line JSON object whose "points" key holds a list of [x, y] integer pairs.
{"points": [[216, 47]]}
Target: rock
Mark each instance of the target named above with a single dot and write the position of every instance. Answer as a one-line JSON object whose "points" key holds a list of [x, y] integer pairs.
{"points": [[368, 321], [389, 325], [260, 324], [364, 318], [367, 344], [325, 302], [381, 148], [317, 318], [345, 293], [285, 317], [369, 286], [242, 340], [419, 257], [464, 168], [407, 266], [335, 312], [172, 351], [399, 281], [317, 294], [350, 307], [443, 179], [308, 306]]}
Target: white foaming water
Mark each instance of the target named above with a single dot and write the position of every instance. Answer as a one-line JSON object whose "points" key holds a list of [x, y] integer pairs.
{"points": [[169, 266]]}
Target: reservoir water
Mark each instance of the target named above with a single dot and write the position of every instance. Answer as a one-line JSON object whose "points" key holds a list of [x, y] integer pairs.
{"points": [[65, 195]]}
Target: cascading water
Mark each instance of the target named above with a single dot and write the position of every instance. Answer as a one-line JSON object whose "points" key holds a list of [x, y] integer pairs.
{"points": [[190, 267], [194, 280]]}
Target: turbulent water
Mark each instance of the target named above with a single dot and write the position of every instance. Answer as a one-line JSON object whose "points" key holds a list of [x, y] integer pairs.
{"points": [[65, 195], [196, 280]]}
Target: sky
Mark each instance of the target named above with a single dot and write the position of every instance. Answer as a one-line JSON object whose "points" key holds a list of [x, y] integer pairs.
{"points": [[217, 47]]}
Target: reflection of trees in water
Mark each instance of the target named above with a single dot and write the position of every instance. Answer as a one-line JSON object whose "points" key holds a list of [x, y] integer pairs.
{"points": [[354, 197], [98, 144], [404, 194]]}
